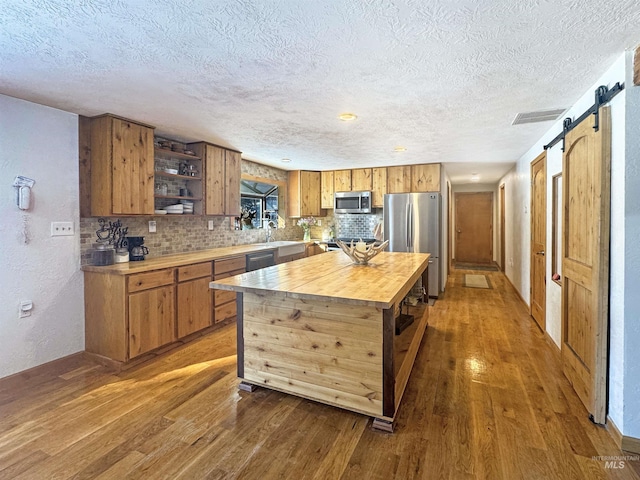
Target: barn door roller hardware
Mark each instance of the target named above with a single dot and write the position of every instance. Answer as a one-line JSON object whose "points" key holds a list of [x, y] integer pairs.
{"points": [[603, 95]]}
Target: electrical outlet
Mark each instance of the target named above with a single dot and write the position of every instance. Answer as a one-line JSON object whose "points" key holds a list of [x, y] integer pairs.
{"points": [[152, 226], [210, 225], [60, 229], [319, 222]]}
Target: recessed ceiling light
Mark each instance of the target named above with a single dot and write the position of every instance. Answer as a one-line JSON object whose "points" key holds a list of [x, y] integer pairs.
{"points": [[475, 177], [286, 160], [400, 148], [347, 116]]}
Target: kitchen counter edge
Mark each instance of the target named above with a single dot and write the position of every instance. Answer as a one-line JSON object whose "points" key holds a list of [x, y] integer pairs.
{"points": [[178, 260]]}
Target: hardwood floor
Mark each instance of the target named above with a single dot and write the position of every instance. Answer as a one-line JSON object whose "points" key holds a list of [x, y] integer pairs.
{"points": [[486, 399]]}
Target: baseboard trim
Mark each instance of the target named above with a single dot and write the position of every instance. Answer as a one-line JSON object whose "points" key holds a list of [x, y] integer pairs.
{"points": [[59, 364], [516, 290], [550, 341], [614, 431], [630, 444], [624, 442]]}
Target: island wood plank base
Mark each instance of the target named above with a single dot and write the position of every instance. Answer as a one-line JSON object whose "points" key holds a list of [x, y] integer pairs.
{"points": [[338, 351]]}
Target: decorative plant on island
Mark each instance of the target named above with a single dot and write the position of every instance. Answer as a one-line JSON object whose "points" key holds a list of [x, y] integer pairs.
{"points": [[306, 224]]}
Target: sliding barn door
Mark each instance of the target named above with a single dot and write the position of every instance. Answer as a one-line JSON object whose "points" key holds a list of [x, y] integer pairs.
{"points": [[585, 262]]}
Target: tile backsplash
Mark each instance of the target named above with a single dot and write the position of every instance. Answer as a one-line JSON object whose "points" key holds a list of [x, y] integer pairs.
{"points": [[182, 233], [187, 233], [356, 225]]}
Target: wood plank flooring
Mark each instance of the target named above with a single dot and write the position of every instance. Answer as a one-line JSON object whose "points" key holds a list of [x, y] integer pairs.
{"points": [[486, 399]]}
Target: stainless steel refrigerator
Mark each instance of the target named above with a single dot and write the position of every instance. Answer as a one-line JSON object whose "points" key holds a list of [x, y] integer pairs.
{"points": [[412, 224]]}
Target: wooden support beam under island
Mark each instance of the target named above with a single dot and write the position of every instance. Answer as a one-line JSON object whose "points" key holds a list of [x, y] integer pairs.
{"points": [[324, 328]]}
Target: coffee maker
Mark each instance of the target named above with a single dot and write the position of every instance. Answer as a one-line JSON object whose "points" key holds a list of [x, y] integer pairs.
{"points": [[136, 247]]}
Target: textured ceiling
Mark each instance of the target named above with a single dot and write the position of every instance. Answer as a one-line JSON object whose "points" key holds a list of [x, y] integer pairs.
{"points": [[444, 78]]}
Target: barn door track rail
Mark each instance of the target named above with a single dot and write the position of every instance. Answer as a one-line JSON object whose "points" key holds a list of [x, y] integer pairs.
{"points": [[603, 95]]}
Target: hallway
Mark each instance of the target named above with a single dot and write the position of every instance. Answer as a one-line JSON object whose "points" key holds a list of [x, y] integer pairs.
{"points": [[485, 400]]}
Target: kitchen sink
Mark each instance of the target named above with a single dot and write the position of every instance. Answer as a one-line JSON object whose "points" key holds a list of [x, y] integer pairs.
{"points": [[285, 247]]}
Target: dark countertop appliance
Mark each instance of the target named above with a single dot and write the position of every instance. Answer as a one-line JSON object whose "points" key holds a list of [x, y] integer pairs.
{"points": [[136, 247]]}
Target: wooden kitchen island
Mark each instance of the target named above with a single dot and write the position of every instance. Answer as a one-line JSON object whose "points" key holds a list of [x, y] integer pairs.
{"points": [[324, 329]]}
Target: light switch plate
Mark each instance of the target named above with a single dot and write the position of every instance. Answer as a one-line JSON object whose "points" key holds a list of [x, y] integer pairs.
{"points": [[60, 229], [152, 226], [210, 225], [24, 310]]}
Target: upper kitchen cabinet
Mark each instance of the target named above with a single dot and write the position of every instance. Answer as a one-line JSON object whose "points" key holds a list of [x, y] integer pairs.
{"points": [[303, 194], [378, 186], [361, 179], [222, 172], [326, 185], [122, 174], [399, 179], [342, 180], [425, 178], [233, 172]]}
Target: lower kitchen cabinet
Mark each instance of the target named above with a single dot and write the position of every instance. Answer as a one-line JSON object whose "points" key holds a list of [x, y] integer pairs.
{"points": [[290, 258], [194, 298], [132, 315], [151, 319], [127, 316], [225, 301]]}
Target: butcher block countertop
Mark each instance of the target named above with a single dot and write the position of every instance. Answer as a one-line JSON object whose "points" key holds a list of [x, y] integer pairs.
{"points": [[333, 277], [177, 260]]}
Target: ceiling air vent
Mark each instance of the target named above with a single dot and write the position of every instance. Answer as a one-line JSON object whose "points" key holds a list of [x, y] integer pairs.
{"points": [[535, 117]]}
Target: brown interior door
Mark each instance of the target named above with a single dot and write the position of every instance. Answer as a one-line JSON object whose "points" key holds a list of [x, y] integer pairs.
{"points": [[538, 238], [585, 262], [474, 227]]}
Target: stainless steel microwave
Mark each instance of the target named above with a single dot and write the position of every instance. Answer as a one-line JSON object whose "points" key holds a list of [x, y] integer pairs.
{"points": [[352, 202]]}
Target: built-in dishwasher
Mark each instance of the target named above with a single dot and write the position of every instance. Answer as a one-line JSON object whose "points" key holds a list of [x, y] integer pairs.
{"points": [[258, 260]]}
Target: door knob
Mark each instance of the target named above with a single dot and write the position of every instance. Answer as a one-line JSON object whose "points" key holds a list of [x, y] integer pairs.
{"points": [[541, 252], [459, 231]]}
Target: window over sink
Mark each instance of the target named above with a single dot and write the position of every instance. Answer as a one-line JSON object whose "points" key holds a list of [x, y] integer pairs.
{"points": [[260, 201]]}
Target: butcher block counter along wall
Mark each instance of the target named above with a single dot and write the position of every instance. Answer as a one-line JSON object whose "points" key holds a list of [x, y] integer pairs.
{"points": [[324, 329]]}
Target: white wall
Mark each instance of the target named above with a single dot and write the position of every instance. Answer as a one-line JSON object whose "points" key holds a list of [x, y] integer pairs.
{"points": [[40, 143], [554, 291], [517, 226], [518, 194], [626, 262]]}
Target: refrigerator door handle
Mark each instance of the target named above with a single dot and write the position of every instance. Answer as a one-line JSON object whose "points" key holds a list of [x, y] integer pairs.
{"points": [[408, 213], [410, 226]]}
